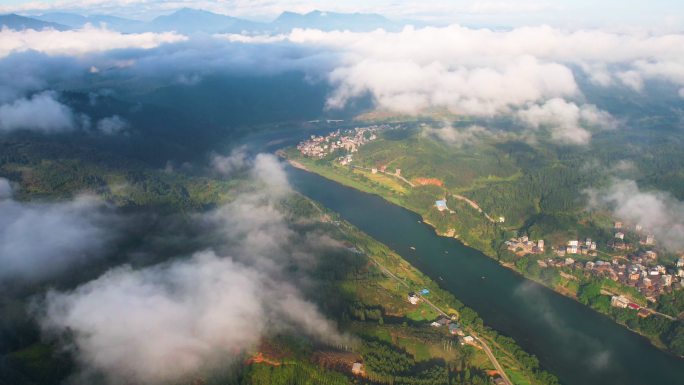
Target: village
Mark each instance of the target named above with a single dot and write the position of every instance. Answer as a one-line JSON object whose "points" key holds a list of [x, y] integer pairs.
{"points": [[342, 142], [455, 329], [634, 267]]}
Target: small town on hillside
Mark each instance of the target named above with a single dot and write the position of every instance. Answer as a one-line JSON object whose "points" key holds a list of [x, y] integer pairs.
{"points": [[342, 142], [634, 267]]}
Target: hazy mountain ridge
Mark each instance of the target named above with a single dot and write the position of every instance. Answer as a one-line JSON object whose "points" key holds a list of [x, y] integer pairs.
{"points": [[19, 23], [189, 20]]}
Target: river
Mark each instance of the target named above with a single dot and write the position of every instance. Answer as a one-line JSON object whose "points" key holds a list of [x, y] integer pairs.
{"points": [[577, 344]]}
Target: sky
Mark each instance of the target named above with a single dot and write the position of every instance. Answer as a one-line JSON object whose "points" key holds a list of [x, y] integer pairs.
{"points": [[564, 13]]}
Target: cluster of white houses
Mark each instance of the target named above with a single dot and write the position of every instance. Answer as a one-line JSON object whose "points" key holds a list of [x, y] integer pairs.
{"points": [[586, 247], [638, 268], [348, 141], [640, 271], [523, 245]]}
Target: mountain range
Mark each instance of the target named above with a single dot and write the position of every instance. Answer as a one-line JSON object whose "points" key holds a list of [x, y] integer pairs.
{"points": [[189, 21], [19, 23]]}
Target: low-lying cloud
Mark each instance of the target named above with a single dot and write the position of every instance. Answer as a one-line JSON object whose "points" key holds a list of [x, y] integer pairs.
{"points": [[457, 136], [167, 322], [112, 125], [5, 189], [657, 212], [163, 323], [227, 165], [39, 240], [80, 42], [41, 112], [567, 122]]}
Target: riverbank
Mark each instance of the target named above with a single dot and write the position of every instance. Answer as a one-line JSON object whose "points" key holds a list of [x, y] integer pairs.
{"points": [[562, 333], [330, 173], [507, 358], [562, 290]]}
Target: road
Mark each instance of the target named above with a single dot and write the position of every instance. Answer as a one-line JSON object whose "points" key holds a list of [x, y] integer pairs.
{"points": [[474, 205], [489, 353], [484, 344]]}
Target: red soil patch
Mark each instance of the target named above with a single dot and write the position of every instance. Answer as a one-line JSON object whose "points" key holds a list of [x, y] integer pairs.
{"points": [[260, 359], [428, 181], [269, 354]]}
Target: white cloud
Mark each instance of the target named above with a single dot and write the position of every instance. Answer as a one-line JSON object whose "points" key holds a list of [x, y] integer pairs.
{"points": [[658, 212], [670, 70], [5, 189], [484, 72], [41, 112], [631, 79], [38, 240], [457, 136], [80, 42], [228, 165], [565, 120], [408, 86], [112, 125]]}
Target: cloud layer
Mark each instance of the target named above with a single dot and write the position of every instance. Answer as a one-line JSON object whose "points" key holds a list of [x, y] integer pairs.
{"points": [[529, 72], [79, 42], [40, 112], [112, 125], [38, 240]]}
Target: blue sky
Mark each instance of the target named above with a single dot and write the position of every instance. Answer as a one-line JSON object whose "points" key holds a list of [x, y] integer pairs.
{"points": [[566, 13]]}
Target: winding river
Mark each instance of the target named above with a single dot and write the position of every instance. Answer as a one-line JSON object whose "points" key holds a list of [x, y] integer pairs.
{"points": [[577, 344]]}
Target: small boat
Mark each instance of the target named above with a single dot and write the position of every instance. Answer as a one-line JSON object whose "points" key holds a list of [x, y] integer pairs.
{"points": [[412, 248], [446, 252], [483, 277], [440, 278]]}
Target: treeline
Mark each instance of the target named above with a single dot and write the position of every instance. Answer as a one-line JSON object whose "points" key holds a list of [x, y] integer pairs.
{"points": [[297, 373], [386, 364], [61, 170]]}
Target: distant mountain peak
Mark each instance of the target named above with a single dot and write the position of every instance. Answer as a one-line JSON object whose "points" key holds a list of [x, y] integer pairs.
{"points": [[194, 11], [19, 23]]}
